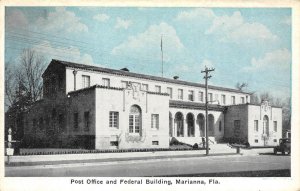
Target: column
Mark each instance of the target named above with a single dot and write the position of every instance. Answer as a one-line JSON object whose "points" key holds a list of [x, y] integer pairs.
{"points": [[185, 126]]}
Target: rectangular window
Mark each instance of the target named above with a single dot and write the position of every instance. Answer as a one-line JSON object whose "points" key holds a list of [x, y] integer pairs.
{"points": [[237, 123], [200, 96], [216, 97], [137, 124], [75, 121], [130, 123], [86, 121], [256, 140], [106, 82], [275, 140], [237, 128], [180, 94], [34, 124], [223, 99], [155, 143], [191, 95], [256, 125], [210, 97], [242, 100], [41, 123], [145, 87], [85, 81], [158, 89], [114, 119], [114, 143], [170, 92], [232, 100], [220, 126], [155, 121], [124, 84], [61, 121], [275, 126]]}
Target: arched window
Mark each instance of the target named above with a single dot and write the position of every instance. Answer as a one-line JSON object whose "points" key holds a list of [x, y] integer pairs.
{"points": [[266, 125], [135, 120], [179, 124], [211, 125], [201, 122], [191, 126]]}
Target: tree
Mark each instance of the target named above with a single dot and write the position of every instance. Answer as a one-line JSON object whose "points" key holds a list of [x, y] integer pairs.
{"points": [[25, 79], [241, 86], [23, 86]]}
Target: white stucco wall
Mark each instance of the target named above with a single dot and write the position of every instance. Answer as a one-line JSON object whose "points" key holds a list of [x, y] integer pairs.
{"points": [[258, 113], [121, 100], [115, 81]]}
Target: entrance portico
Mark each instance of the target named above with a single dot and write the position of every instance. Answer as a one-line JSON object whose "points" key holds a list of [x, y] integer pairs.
{"points": [[188, 124]]}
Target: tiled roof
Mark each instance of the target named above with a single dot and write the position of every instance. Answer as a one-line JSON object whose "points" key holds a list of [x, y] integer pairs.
{"points": [[194, 105], [142, 76]]}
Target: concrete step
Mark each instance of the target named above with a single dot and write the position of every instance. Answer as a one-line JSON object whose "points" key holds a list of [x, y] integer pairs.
{"points": [[221, 147], [193, 140]]}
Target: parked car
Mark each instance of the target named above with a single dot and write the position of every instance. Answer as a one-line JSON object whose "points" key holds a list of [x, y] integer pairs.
{"points": [[283, 147]]}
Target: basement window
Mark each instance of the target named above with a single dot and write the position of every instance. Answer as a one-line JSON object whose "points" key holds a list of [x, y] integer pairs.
{"points": [[114, 143], [256, 140], [155, 143]]}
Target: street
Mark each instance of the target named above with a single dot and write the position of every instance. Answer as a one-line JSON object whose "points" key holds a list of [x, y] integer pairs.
{"points": [[156, 167]]}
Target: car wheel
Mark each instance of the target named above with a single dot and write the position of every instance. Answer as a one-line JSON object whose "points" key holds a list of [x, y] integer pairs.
{"points": [[283, 152], [275, 151]]}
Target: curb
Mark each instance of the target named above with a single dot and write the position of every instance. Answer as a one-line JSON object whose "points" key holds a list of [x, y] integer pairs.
{"points": [[59, 162]]}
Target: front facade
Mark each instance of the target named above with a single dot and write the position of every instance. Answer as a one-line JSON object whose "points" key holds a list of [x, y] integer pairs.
{"points": [[99, 108]]}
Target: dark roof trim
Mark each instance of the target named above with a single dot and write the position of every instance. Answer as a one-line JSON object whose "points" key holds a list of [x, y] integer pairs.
{"points": [[193, 105], [93, 87], [111, 88], [156, 93], [254, 104], [143, 76]]}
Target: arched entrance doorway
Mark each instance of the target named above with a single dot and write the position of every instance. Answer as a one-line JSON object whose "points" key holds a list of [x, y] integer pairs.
{"points": [[170, 125], [266, 129], [201, 123], [211, 124], [191, 125], [135, 120], [179, 124]]}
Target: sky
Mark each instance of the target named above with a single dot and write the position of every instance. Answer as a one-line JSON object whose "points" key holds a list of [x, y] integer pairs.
{"points": [[251, 45]]}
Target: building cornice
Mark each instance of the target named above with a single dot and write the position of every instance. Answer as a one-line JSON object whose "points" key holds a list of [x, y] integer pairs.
{"points": [[194, 105], [142, 76]]}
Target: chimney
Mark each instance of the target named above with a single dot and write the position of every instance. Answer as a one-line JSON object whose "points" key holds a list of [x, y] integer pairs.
{"points": [[125, 69], [175, 77], [74, 72]]}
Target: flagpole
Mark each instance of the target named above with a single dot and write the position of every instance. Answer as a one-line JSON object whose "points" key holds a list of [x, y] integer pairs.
{"points": [[162, 57]]}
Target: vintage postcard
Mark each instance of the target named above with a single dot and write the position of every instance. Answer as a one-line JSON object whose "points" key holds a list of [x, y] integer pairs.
{"points": [[196, 95]]}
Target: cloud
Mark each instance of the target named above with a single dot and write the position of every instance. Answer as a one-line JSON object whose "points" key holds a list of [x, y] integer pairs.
{"points": [[234, 29], [101, 17], [15, 19], [71, 53], [149, 42], [61, 20], [228, 28], [195, 14], [278, 59], [286, 21], [121, 23]]}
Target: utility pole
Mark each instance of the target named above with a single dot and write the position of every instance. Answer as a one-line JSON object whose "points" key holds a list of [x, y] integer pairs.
{"points": [[162, 57], [206, 77]]}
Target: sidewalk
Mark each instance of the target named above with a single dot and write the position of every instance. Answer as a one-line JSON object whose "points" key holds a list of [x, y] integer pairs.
{"points": [[31, 160]]}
